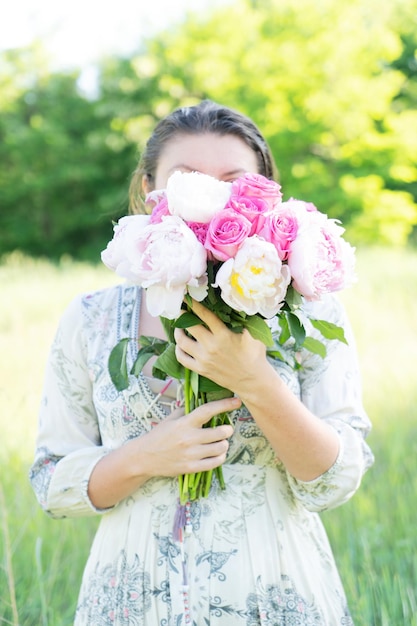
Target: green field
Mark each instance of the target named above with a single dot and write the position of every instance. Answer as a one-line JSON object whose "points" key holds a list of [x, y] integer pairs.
{"points": [[374, 535]]}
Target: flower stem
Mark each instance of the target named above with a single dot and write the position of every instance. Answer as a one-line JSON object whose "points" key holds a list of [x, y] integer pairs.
{"points": [[195, 486]]}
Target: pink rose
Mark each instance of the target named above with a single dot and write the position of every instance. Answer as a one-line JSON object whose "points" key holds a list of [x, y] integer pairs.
{"points": [[280, 228], [256, 185], [227, 231], [320, 260], [253, 209]]}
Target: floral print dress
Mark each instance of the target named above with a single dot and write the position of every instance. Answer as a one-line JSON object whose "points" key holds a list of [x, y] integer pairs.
{"points": [[254, 554]]}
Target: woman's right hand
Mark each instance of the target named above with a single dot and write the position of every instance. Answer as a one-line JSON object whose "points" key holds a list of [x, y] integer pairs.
{"points": [[177, 445], [180, 444]]}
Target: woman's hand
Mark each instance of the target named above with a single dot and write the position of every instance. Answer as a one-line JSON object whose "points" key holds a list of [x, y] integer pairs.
{"points": [[180, 444], [232, 360], [177, 445], [306, 445]]}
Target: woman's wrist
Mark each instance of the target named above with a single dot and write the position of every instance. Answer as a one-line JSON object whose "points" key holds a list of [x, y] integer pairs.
{"points": [[117, 475]]}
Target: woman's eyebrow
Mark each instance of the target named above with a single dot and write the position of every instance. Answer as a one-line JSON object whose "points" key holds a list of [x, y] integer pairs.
{"points": [[184, 166], [181, 166]]}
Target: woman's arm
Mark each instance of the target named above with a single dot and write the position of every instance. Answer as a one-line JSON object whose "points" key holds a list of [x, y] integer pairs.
{"points": [[178, 445], [73, 473], [307, 445]]}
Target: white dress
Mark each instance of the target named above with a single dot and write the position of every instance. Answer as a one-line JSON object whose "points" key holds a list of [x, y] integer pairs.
{"points": [[257, 553]]}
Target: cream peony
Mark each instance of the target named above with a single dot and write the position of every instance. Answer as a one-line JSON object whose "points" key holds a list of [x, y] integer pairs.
{"points": [[255, 281]]}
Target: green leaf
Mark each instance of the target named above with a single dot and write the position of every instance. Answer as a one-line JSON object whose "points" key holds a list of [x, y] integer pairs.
{"points": [[297, 329], [285, 329], [210, 388], [168, 326], [329, 330], [314, 345], [219, 394], [224, 316], [259, 329], [188, 300], [158, 345], [152, 346], [186, 320], [117, 365], [293, 299], [157, 373], [195, 383], [142, 358], [167, 362], [276, 354]]}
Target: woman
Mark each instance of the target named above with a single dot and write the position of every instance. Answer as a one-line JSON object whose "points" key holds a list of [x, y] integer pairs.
{"points": [[257, 552]]}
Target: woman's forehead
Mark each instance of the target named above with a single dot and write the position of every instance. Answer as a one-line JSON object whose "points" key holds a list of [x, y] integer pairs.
{"points": [[220, 156]]}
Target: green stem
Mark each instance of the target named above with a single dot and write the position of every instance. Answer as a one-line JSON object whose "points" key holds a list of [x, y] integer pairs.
{"points": [[220, 478], [187, 390], [195, 486], [207, 483]]}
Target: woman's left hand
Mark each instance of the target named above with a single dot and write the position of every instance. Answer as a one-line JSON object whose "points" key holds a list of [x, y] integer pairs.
{"points": [[232, 360]]}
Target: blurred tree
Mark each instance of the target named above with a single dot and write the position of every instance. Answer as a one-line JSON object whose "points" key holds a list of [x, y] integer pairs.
{"points": [[323, 81], [64, 170], [332, 84]]}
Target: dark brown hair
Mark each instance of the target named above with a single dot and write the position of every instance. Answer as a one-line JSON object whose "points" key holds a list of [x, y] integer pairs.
{"points": [[205, 117]]}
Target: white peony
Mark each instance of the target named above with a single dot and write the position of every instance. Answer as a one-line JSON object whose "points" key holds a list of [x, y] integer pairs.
{"points": [[255, 281], [196, 197]]}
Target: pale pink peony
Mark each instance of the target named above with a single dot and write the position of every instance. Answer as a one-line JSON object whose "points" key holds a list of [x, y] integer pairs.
{"points": [[196, 197], [255, 281], [167, 260], [300, 205], [320, 260], [226, 233], [114, 256], [258, 186]]}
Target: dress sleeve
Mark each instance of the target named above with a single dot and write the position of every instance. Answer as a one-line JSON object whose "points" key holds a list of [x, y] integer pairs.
{"points": [[332, 390], [68, 443]]}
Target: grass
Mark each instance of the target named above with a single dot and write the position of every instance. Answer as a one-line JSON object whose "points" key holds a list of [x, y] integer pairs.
{"points": [[373, 536]]}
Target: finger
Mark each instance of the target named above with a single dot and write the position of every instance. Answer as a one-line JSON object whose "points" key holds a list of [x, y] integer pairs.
{"points": [[207, 316], [205, 463], [203, 414], [209, 435], [212, 450], [183, 341], [187, 339], [176, 413]]}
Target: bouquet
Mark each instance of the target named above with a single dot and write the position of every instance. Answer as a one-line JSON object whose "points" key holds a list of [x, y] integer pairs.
{"points": [[243, 252]]}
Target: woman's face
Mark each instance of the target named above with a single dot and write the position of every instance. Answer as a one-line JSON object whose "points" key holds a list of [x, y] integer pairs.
{"points": [[225, 157]]}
